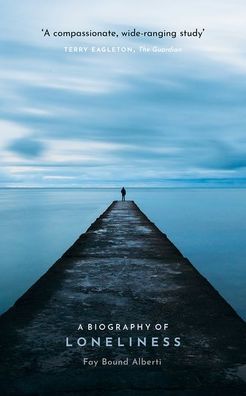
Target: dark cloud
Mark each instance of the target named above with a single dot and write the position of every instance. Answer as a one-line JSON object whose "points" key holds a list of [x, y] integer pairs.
{"points": [[227, 157], [27, 147]]}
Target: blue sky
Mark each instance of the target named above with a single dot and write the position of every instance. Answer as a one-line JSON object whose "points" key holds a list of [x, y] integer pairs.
{"points": [[110, 119]]}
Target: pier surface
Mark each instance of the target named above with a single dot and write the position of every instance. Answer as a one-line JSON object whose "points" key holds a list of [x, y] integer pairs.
{"points": [[123, 270]]}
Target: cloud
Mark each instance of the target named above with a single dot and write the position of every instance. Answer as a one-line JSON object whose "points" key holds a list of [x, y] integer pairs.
{"points": [[145, 118], [27, 147]]}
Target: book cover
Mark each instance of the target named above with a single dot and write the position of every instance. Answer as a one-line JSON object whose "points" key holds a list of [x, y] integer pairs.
{"points": [[122, 188]]}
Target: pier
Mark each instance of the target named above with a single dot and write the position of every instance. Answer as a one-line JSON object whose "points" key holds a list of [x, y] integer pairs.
{"points": [[122, 293]]}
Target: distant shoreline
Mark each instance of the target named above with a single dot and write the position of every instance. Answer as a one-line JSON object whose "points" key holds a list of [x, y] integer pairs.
{"points": [[129, 188]]}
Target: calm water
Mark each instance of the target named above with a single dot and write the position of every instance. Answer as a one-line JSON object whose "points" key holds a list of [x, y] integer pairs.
{"points": [[208, 226]]}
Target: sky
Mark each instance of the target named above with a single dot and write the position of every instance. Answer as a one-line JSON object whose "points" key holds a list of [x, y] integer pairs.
{"points": [[108, 119]]}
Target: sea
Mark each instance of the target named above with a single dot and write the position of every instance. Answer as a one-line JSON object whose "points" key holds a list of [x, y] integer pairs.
{"points": [[207, 225]]}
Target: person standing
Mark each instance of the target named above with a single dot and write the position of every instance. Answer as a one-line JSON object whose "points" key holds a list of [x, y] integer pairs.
{"points": [[123, 193]]}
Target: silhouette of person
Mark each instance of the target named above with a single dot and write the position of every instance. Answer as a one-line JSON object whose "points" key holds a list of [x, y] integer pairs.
{"points": [[123, 193]]}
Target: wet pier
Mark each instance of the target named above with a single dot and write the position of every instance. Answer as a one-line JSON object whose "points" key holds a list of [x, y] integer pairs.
{"points": [[122, 312]]}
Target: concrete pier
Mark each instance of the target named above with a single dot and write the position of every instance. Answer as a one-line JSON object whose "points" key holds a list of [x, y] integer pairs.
{"points": [[125, 277]]}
